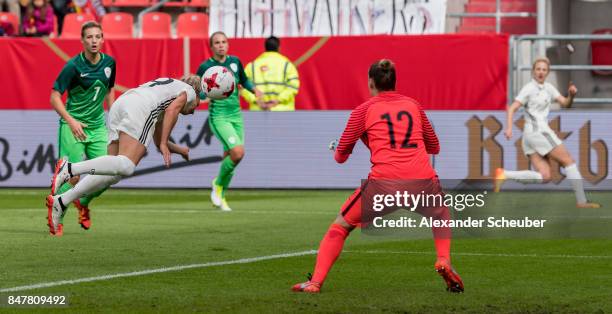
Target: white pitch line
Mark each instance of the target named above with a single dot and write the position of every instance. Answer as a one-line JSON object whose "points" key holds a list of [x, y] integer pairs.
{"points": [[485, 254], [116, 210], [216, 212], [210, 210], [155, 271]]}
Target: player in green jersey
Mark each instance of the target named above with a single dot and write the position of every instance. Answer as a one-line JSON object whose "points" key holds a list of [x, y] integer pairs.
{"points": [[89, 78], [226, 118]]}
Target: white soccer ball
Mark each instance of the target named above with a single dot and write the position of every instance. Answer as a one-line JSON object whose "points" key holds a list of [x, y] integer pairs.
{"points": [[218, 82]]}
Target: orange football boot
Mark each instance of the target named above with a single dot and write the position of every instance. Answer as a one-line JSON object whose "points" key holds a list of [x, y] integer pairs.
{"points": [[450, 276], [499, 179], [588, 204], [308, 287], [84, 219]]}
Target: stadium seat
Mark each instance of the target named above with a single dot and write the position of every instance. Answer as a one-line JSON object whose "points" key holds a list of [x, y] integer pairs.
{"points": [[156, 25], [131, 3], [72, 24], [199, 3], [118, 25], [601, 51], [10, 18], [510, 25], [519, 6], [194, 25]]}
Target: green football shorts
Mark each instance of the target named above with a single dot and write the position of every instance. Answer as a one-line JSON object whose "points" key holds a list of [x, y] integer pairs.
{"points": [[229, 130], [94, 146]]}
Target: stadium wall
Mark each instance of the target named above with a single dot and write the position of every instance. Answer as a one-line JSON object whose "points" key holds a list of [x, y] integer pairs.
{"points": [[289, 150], [584, 18], [443, 72], [578, 17]]}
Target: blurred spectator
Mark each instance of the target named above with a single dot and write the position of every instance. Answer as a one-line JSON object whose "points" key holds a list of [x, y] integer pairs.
{"points": [[38, 19], [61, 8], [275, 76], [23, 5], [93, 7], [11, 6]]}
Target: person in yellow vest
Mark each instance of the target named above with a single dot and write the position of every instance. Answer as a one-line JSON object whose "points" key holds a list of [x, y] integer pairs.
{"points": [[274, 75]]}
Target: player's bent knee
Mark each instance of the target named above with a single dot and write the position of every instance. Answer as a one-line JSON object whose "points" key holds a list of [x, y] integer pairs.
{"points": [[237, 155], [127, 167], [340, 221], [74, 180]]}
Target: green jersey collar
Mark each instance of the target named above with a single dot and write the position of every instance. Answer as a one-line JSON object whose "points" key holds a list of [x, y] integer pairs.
{"points": [[82, 55], [227, 59]]}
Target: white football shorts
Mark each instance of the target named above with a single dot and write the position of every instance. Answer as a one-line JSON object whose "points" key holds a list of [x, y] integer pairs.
{"points": [[541, 142], [130, 116]]}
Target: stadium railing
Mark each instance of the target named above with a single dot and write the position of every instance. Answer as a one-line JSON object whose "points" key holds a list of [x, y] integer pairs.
{"points": [[517, 65], [498, 15]]}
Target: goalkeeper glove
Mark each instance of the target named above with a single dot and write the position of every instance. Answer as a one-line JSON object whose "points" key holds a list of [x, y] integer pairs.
{"points": [[332, 145]]}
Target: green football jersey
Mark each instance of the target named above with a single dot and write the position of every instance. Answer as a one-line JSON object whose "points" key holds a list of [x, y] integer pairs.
{"points": [[87, 85], [231, 104]]}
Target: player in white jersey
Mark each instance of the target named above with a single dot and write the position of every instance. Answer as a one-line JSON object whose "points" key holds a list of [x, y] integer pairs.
{"points": [[540, 143], [147, 112]]}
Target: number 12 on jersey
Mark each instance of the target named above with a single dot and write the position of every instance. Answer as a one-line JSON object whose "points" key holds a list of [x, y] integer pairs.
{"points": [[406, 142]]}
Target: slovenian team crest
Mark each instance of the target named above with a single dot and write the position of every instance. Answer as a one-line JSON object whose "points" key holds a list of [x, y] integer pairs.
{"points": [[234, 67], [107, 72]]}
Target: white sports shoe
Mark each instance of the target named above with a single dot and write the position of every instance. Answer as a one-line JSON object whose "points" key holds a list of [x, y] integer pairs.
{"points": [[224, 206], [216, 195], [54, 213], [60, 176]]}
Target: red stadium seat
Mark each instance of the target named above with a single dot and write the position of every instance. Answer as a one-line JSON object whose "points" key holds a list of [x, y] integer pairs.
{"points": [[118, 25], [199, 3], [194, 25], [73, 23], [156, 25], [8, 17], [131, 3], [601, 51], [510, 25]]}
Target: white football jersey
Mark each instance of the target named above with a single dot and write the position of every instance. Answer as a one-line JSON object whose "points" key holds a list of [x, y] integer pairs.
{"points": [[537, 100], [160, 92], [136, 112]]}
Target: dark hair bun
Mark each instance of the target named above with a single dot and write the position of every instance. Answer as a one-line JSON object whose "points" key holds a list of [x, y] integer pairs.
{"points": [[386, 65], [383, 74]]}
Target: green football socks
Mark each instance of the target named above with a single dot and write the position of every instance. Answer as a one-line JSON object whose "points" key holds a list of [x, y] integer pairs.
{"points": [[226, 172]]}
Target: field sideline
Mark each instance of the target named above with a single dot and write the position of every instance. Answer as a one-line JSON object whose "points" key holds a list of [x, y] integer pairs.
{"points": [[181, 255]]}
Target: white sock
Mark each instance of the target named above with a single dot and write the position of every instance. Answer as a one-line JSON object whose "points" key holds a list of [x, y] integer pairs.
{"points": [[87, 186], [105, 165], [524, 176], [575, 178]]}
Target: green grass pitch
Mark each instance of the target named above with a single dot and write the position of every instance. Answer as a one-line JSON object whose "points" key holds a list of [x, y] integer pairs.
{"points": [[138, 230]]}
